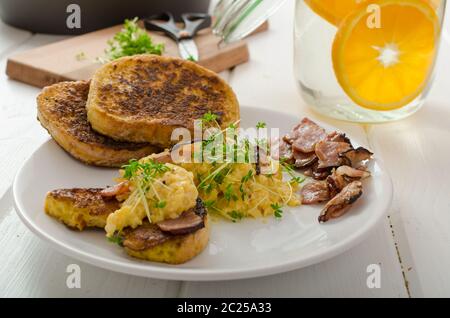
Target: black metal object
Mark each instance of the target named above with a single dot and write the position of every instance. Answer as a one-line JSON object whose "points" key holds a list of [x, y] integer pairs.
{"points": [[165, 22], [50, 16]]}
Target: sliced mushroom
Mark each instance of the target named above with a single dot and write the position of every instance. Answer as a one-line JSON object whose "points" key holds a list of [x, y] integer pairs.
{"points": [[320, 173], [342, 176], [308, 172], [338, 137], [188, 222], [303, 160], [342, 202], [352, 173], [357, 158], [329, 153], [305, 136], [315, 192], [284, 151], [144, 237], [335, 184], [149, 235]]}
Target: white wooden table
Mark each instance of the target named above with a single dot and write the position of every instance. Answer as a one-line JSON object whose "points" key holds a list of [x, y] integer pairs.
{"points": [[412, 245]]}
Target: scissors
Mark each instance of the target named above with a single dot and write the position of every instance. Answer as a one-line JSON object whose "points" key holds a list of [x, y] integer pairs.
{"points": [[193, 22]]}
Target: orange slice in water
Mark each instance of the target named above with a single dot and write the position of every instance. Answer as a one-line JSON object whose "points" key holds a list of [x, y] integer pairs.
{"points": [[334, 11], [387, 65]]}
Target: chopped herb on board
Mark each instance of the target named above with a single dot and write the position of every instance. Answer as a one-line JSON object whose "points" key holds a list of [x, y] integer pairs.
{"points": [[131, 40], [191, 58], [81, 56]]}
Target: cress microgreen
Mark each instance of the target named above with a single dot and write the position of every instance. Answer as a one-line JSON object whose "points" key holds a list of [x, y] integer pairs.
{"points": [[143, 175], [209, 117], [261, 125], [236, 215], [116, 239], [146, 171], [209, 203], [277, 211], [229, 193], [160, 204]]}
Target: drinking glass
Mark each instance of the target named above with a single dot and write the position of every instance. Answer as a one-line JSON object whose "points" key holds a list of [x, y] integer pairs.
{"points": [[366, 61]]}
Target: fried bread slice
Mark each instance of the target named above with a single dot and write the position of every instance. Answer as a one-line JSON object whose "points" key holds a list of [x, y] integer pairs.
{"points": [[173, 241], [143, 98], [62, 111], [171, 249], [80, 208]]}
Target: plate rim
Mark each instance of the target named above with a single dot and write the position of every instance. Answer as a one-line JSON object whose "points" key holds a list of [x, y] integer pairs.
{"points": [[174, 273]]}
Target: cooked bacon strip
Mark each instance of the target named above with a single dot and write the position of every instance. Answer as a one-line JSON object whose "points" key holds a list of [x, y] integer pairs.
{"points": [[115, 190], [358, 157], [315, 192], [342, 202], [329, 153], [305, 136]]}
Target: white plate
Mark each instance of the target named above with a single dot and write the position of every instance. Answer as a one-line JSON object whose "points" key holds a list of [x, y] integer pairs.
{"points": [[247, 249]]}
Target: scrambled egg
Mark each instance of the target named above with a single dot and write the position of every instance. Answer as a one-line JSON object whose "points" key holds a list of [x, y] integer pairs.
{"points": [[168, 196], [235, 191]]}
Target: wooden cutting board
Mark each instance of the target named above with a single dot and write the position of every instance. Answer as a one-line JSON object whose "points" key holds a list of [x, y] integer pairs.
{"points": [[58, 61]]}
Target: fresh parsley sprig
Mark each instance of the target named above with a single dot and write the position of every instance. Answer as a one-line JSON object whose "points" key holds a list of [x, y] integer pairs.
{"points": [[132, 40]]}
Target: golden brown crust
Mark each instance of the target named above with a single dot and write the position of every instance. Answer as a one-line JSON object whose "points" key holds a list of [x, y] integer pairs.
{"points": [[87, 198], [62, 111], [143, 98], [175, 249], [80, 208]]}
